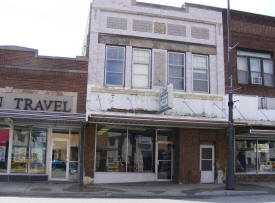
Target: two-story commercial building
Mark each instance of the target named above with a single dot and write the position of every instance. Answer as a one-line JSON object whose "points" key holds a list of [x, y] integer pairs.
{"points": [[42, 112], [156, 104], [254, 94]]}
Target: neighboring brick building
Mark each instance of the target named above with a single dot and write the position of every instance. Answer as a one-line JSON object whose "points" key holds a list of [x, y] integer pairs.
{"points": [[254, 93], [42, 111], [135, 50]]}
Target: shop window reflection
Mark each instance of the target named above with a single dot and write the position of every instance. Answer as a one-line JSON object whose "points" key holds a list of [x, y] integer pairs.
{"points": [[111, 149], [4, 148], [29, 151]]}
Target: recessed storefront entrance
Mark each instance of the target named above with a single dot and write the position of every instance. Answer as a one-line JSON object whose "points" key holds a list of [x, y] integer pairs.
{"points": [[164, 163], [64, 155]]}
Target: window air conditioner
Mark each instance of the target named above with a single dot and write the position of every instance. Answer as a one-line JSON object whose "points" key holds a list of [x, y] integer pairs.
{"points": [[257, 80]]}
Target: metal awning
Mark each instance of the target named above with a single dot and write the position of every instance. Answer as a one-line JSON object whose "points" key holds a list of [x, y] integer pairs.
{"points": [[262, 132], [159, 122], [40, 115]]}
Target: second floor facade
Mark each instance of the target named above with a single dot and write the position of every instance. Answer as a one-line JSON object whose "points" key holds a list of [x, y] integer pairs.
{"points": [[137, 49]]}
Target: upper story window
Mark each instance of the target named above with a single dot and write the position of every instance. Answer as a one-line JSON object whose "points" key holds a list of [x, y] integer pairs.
{"points": [[176, 70], [255, 68], [114, 70], [200, 73], [141, 68]]}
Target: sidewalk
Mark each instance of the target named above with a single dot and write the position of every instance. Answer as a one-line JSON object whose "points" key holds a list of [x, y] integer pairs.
{"points": [[132, 190]]}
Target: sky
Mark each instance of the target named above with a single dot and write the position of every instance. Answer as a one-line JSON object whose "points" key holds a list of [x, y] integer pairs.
{"points": [[57, 27]]}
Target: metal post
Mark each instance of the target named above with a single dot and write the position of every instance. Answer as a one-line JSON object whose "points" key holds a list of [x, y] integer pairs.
{"points": [[81, 160], [230, 175]]}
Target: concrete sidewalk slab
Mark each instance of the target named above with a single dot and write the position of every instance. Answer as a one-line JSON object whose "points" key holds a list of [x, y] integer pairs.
{"points": [[131, 190]]}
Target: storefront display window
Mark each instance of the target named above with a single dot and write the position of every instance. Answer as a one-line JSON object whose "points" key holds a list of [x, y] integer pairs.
{"points": [[140, 150], [254, 156], [28, 151], [111, 149], [4, 148]]}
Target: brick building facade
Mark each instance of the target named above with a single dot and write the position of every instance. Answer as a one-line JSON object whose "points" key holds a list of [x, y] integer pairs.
{"points": [[42, 111], [254, 93]]}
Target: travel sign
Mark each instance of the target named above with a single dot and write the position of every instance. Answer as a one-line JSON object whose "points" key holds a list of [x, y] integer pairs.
{"points": [[38, 101]]}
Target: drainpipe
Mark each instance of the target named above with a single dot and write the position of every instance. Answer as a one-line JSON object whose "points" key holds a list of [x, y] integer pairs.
{"points": [[230, 175]]}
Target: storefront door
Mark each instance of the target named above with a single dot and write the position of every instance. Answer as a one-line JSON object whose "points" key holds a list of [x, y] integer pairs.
{"points": [[60, 155], [207, 163], [164, 160]]}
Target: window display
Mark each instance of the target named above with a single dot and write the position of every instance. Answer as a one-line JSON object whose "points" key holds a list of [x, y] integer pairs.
{"points": [[119, 151], [4, 148], [29, 151], [255, 156]]}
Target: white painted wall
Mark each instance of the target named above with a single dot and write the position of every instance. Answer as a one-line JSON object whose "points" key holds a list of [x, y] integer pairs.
{"points": [[204, 106]]}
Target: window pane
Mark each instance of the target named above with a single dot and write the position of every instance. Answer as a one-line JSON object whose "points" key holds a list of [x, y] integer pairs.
{"points": [[4, 148], [176, 59], [242, 63], [175, 71], [200, 74], [242, 77], [246, 157], [268, 66], [206, 153], [114, 78], [140, 81], [140, 150], [111, 147], [114, 65], [38, 146], [255, 75], [140, 69], [115, 53], [268, 80], [178, 83], [200, 85], [141, 56], [255, 65], [19, 157], [206, 165], [264, 157], [199, 62]]}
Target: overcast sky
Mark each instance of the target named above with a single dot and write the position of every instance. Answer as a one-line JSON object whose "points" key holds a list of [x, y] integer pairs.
{"points": [[57, 27]]}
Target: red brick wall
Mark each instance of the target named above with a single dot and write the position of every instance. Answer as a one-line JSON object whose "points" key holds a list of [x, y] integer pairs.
{"points": [[254, 32], [189, 141], [89, 149], [255, 178], [44, 80]]}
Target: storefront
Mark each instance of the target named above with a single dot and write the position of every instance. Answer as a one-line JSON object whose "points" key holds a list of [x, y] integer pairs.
{"points": [[121, 149], [255, 156], [133, 154], [40, 135]]}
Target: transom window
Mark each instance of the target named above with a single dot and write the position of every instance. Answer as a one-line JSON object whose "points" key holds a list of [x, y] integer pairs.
{"points": [[141, 68], [114, 70], [200, 73], [255, 68], [176, 70]]}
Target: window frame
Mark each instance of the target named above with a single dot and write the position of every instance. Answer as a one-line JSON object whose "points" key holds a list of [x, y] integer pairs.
{"points": [[257, 139], [262, 59], [123, 68], [208, 73], [184, 69], [149, 68]]}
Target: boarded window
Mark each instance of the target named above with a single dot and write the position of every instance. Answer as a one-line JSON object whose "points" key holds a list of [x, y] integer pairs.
{"points": [[176, 30], [142, 26], [199, 33], [117, 23]]}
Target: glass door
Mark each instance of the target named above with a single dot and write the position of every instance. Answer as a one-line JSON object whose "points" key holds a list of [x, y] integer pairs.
{"points": [[164, 161], [59, 168]]}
